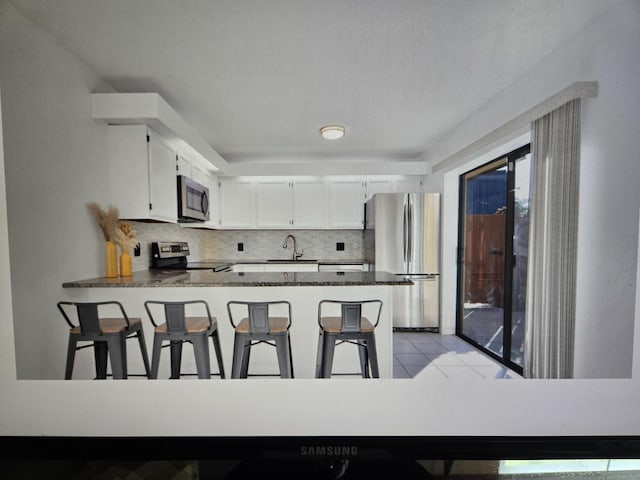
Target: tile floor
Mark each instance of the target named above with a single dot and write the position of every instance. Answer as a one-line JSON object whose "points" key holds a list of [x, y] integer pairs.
{"points": [[444, 356]]}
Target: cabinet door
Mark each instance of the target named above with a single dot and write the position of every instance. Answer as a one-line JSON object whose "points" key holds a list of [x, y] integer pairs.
{"points": [[183, 165], [310, 204], [199, 174], [346, 204], [409, 184], [163, 201], [378, 185], [237, 205], [273, 202]]}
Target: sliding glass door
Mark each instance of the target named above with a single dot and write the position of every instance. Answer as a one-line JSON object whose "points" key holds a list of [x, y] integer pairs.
{"points": [[492, 258]]}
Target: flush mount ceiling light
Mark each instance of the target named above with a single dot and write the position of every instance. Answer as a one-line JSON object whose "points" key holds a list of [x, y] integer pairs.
{"points": [[332, 132]]}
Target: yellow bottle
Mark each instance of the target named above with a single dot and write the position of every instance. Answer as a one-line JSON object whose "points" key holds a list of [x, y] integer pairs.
{"points": [[111, 260]]}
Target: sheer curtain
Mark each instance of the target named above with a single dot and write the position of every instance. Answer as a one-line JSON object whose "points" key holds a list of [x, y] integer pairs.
{"points": [[551, 282]]}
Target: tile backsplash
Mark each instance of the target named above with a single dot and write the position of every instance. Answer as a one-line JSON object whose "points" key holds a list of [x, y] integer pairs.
{"points": [[207, 244]]}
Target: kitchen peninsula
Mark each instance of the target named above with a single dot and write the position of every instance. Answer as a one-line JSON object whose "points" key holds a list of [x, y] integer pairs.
{"points": [[303, 290]]}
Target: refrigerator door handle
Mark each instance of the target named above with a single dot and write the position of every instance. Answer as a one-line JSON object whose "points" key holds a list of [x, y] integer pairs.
{"points": [[409, 230], [405, 224]]}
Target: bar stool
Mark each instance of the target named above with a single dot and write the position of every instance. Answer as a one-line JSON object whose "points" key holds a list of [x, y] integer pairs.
{"points": [[108, 336], [178, 329], [259, 327], [347, 327]]}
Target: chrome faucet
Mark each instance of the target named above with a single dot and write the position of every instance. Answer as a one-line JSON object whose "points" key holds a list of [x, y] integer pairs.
{"points": [[295, 254]]}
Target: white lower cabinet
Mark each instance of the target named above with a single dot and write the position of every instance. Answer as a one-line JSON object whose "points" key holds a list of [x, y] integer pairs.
{"points": [[275, 267], [356, 267]]}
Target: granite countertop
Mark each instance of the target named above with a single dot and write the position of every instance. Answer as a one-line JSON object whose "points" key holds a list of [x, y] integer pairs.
{"points": [[207, 278]]}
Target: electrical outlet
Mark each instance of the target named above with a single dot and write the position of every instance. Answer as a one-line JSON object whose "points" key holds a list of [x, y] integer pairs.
{"points": [[136, 250], [240, 247], [340, 246]]}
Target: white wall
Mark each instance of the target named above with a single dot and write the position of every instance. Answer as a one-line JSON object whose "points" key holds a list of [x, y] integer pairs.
{"points": [[55, 162], [609, 195]]}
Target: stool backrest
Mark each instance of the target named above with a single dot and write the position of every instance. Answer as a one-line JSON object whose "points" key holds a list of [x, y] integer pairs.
{"points": [[350, 312], [175, 313], [258, 313], [351, 317], [88, 316], [174, 316], [258, 317]]}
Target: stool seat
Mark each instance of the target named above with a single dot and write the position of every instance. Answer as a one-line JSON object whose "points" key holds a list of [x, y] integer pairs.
{"points": [[177, 329], [276, 325], [334, 324], [192, 325], [106, 335], [112, 325]]}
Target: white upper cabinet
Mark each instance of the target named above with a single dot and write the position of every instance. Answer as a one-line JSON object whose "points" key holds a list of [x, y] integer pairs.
{"points": [[143, 174], [409, 184], [302, 202], [214, 202], [346, 203], [279, 203], [273, 203], [378, 185], [309, 207], [183, 165], [237, 204]]}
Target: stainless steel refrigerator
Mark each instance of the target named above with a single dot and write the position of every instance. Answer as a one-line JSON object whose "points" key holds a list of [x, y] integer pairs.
{"points": [[402, 236]]}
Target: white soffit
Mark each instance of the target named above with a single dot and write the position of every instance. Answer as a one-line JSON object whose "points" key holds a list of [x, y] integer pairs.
{"points": [[150, 109]]}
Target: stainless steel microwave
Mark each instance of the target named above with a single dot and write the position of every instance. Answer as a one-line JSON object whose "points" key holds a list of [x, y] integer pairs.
{"points": [[193, 200]]}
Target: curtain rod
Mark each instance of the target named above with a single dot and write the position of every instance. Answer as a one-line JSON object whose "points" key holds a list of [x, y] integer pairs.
{"points": [[573, 91]]}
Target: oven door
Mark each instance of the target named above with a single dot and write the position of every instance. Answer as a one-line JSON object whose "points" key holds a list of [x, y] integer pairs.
{"points": [[193, 201]]}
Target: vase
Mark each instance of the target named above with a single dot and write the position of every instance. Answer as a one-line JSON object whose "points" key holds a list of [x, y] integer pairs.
{"points": [[111, 260], [125, 264]]}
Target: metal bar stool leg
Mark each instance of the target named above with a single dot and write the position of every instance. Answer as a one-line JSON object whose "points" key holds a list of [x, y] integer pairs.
{"points": [[71, 356], [364, 358], [215, 338], [201, 350], [246, 355], [176, 358], [238, 352], [328, 348], [100, 353], [283, 352], [319, 355], [370, 338], [155, 357], [290, 354], [143, 350], [118, 356]]}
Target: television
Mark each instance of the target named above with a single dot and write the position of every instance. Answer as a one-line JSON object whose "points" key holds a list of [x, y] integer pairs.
{"points": [[306, 423]]}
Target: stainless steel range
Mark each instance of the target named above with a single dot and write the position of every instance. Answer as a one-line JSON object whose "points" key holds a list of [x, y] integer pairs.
{"points": [[173, 256]]}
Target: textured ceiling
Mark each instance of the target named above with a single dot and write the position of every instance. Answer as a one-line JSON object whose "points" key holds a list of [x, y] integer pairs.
{"points": [[258, 78]]}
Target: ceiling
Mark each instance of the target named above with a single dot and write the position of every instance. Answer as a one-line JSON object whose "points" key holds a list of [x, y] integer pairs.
{"points": [[258, 78]]}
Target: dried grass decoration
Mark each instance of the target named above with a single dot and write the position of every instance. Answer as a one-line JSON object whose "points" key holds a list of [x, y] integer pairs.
{"points": [[108, 222], [126, 237]]}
